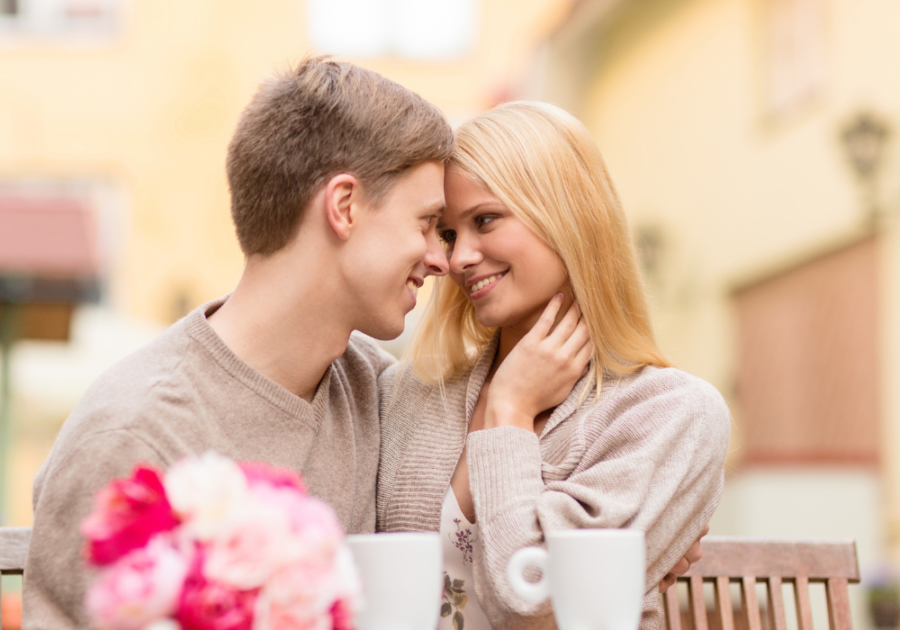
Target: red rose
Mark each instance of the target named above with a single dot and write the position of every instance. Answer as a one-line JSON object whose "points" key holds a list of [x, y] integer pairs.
{"points": [[342, 615], [127, 513], [208, 605]]}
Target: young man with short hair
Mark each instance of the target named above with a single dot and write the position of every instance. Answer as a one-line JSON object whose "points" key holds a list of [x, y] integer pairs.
{"points": [[336, 178]]}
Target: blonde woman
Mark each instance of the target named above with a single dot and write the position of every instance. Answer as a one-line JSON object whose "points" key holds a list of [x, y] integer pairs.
{"points": [[478, 441]]}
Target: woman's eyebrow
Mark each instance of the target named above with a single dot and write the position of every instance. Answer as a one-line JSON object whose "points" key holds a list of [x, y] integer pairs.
{"points": [[465, 214]]}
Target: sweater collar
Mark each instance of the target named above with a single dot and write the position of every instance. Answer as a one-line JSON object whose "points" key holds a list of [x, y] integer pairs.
{"points": [[198, 328], [479, 374]]}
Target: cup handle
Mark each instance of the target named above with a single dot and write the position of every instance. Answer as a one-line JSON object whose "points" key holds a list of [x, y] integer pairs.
{"points": [[534, 592]]}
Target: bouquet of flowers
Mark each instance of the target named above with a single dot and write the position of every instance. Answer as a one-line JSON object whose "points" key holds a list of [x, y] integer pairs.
{"points": [[217, 545]]}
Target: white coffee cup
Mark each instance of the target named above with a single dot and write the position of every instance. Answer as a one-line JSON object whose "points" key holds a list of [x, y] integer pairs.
{"points": [[594, 577], [402, 576]]}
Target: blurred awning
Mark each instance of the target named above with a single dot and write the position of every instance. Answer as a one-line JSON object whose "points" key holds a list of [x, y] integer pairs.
{"points": [[48, 250], [49, 262]]}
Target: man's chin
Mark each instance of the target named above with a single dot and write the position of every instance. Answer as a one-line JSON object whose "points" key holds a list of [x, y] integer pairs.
{"points": [[383, 331]]}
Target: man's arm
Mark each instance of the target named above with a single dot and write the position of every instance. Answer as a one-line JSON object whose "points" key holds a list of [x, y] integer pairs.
{"points": [[53, 594]]}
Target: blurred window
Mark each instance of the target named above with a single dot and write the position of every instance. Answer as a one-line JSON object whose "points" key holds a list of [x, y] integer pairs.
{"points": [[808, 373], [795, 42], [417, 29], [9, 7], [58, 17]]}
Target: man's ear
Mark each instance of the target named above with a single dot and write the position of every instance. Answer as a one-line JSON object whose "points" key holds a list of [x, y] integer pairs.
{"points": [[342, 196]]}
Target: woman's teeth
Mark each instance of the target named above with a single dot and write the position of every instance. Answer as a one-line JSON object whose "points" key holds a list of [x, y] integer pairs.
{"points": [[411, 285], [486, 281]]}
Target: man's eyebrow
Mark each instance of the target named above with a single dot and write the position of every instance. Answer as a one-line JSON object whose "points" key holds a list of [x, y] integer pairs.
{"points": [[438, 208]]}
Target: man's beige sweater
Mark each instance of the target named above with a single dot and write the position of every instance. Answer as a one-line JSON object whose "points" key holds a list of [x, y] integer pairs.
{"points": [[648, 455], [182, 394]]}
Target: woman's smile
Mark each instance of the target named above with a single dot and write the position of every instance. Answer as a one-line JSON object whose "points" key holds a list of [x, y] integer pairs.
{"points": [[482, 285]]}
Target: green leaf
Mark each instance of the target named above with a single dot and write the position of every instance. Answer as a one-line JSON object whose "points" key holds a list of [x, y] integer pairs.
{"points": [[458, 583], [460, 601], [458, 621], [445, 609], [447, 583]]}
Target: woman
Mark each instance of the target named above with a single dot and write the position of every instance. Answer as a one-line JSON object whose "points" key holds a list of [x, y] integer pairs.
{"points": [[487, 437]]}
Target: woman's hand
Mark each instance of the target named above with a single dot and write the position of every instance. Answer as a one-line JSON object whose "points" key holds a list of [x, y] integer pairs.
{"points": [[692, 555], [540, 371]]}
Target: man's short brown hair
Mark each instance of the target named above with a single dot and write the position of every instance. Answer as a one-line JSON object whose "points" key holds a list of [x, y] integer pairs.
{"points": [[313, 122]]}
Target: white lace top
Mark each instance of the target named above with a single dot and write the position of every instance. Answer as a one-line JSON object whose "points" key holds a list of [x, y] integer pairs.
{"points": [[460, 609]]}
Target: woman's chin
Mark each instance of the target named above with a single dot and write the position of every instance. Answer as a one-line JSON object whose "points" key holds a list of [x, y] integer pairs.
{"points": [[487, 319]]}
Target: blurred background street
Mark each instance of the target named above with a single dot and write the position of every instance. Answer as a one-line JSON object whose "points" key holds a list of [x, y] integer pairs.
{"points": [[755, 145]]}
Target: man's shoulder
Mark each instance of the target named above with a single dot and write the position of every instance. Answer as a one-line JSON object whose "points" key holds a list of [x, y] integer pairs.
{"points": [[133, 392], [123, 385]]}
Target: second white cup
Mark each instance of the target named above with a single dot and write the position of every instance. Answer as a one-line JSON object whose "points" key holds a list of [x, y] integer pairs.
{"points": [[594, 577]]}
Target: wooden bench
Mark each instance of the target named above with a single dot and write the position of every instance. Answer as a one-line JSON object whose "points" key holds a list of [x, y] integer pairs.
{"points": [[772, 562], [13, 549]]}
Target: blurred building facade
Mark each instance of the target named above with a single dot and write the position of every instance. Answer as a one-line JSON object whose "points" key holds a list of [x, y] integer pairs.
{"points": [[750, 142]]}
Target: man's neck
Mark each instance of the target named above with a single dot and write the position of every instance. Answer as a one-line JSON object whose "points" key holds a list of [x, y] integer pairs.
{"points": [[287, 332]]}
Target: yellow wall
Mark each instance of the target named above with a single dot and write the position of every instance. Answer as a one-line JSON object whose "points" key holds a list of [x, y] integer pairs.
{"points": [[675, 99], [151, 112]]}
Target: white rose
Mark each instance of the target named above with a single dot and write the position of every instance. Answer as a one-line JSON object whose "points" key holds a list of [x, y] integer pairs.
{"points": [[204, 490]]}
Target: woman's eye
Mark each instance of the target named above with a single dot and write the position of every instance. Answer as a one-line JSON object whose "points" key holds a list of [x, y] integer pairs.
{"points": [[483, 220], [447, 236]]}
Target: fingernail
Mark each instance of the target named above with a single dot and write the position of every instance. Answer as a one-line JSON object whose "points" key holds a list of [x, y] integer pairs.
{"points": [[559, 297]]}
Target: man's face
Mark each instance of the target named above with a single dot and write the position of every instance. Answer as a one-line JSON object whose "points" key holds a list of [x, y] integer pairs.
{"points": [[393, 248]]}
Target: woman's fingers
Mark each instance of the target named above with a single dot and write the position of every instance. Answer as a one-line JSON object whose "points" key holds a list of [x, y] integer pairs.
{"points": [[566, 326], [579, 336], [584, 356], [545, 323]]}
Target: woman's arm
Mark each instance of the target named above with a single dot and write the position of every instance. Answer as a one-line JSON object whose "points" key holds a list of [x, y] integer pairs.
{"points": [[649, 457]]}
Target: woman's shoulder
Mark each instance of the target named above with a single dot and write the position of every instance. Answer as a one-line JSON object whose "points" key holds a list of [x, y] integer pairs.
{"points": [[400, 381], [399, 387], [664, 392]]}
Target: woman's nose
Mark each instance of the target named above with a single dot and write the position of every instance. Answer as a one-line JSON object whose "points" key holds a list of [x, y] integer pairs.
{"points": [[463, 255]]}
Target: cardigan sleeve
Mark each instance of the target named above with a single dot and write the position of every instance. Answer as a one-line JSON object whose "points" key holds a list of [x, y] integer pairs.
{"points": [[650, 457]]}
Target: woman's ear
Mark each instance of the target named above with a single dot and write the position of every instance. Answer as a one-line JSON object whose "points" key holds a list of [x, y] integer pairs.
{"points": [[342, 195]]}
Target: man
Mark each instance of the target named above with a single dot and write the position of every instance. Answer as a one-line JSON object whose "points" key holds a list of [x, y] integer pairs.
{"points": [[336, 178]]}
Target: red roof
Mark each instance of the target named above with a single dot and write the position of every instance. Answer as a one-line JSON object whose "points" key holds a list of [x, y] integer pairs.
{"points": [[47, 236]]}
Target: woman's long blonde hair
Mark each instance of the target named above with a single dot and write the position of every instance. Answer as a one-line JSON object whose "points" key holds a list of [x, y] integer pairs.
{"points": [[542, 164]]}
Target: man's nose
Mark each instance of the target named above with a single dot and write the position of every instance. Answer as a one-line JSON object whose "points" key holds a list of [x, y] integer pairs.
{"points": [[436, 263]]}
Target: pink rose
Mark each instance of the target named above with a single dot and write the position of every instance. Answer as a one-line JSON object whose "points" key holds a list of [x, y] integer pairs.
{"points": [[297, 597], [314, 522], [315, 593], [127, 513], [250, 543], [210, 605], [140, 588], [273, 476]]}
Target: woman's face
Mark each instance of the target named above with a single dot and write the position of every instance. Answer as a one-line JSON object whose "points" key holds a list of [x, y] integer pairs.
{"points": [[505, 269]]}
